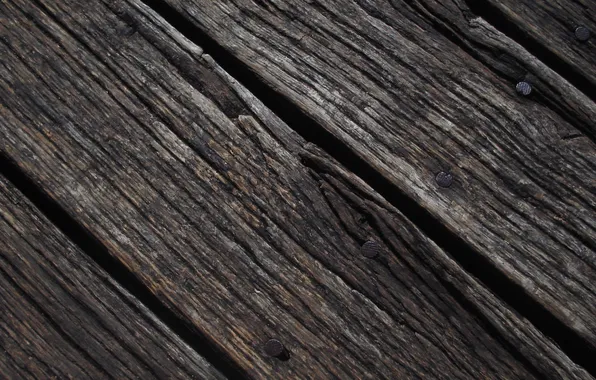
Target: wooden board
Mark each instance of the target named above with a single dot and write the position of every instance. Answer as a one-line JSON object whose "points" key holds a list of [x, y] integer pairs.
{"points": [[391, 88], [63, 317], [512, 61], [549, 27], [221, 210]]}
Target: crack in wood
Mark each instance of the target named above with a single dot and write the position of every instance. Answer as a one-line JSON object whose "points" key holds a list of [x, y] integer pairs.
{"points": [[578, 349], [502, 63]]}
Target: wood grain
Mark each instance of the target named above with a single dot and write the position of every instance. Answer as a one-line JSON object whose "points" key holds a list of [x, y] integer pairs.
{"points": [[551, 25], [63, 317], [225, 214], [388, 84], [511, 61]]}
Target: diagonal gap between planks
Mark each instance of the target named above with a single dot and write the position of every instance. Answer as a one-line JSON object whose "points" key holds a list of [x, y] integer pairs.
{"points": [[511, 31], [494, 16], [41, 6], [23, 294], [117, 270], [80, 41], [461, 299], [318, 127], [578, 350]]}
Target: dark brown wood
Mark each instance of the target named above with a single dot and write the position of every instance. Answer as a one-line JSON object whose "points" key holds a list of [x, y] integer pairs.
{"points": [[391, 87], [63, 317], [221, 210]]}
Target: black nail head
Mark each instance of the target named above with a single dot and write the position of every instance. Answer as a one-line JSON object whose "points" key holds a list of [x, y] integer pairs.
{"points": [[523, 88], [371, 249], [274, 348], [444, 179], [582, 33]]}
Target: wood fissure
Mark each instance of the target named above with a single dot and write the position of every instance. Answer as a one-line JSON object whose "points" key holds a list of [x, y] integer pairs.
{"points": [[574, 345], [375, 217], [64, 316], [219, 218], [96, 251], [22, 294]]}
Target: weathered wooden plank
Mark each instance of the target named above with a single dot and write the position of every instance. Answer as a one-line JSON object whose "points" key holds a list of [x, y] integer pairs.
{"points": [[201, 191], [510, 60], [64, 317], [385, 82], [552, 25], [345, 191]]}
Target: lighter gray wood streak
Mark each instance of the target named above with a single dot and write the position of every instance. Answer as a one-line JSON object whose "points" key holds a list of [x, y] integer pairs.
{"points": [[64, 317], [486, 33], [216, 214], [193, 248], [411, 103]]}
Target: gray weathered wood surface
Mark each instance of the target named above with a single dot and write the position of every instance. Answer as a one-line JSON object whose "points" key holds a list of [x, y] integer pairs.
{"points": [[221, 210], [513, 62], [390, 86], [63, 317], [552, 24]]}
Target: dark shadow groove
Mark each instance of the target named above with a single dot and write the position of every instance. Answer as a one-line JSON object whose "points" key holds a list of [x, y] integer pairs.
{"points": [[117, 270], [578, 349], [493, 331], [458, 295], [496, 18], [53, 324]]}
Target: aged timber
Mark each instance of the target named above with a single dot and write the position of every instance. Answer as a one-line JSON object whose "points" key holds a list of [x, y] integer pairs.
{"points": [[384, 80], [221, 210], [63, 317]]}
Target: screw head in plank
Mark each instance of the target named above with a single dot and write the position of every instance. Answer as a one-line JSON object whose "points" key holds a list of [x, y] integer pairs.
{"points": [[582, 33], [371, 249], [444, 179], [523, 88]]}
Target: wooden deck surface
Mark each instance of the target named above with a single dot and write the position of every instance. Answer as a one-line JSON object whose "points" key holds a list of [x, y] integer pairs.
{"points": [[362, 181]]}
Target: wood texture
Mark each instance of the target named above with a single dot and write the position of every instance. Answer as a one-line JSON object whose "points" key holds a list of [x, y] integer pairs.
{"points": [[63, 317], [511, 61], [552, 24], [222, 212], [389, 85]]}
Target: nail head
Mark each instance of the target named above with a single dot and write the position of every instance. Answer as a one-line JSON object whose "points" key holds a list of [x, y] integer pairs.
{"points": [[444, 179], [274, 348], [523, 88], [582, 33], [371, 249]]}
